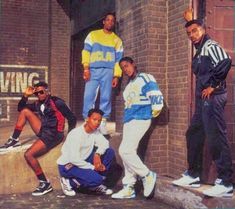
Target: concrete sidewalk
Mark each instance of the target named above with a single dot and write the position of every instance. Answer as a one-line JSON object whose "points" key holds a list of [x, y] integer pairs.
{"points": [[166, 195]]}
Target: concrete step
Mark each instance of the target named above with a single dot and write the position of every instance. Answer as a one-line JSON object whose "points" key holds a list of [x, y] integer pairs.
{"points": [[17, 177]]}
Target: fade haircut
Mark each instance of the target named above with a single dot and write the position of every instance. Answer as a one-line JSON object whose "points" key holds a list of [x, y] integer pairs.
{"points": [[195, 21], [41, 83], [127, 59], [109, 13], [95, 110]]}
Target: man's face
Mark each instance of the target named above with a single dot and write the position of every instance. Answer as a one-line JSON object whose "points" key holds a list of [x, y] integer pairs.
{"points": [[41, 93], [195, 33], [94, 121], [109, 22], [128, 68]]}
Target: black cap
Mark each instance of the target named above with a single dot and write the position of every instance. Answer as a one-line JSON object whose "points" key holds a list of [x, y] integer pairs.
{"points": [[196, 21]]}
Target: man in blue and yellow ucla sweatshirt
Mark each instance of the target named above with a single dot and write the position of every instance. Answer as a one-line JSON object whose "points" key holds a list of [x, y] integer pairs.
{"points": [[102, 51]]}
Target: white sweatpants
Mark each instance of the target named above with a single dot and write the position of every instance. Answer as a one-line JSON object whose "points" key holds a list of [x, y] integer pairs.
{"points": [[133, 131]]}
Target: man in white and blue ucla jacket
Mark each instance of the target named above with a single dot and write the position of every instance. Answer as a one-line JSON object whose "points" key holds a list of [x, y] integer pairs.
{"points": [[143, 100]]}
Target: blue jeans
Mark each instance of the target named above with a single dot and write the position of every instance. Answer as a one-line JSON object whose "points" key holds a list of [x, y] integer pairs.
{"points": [[101, 78]]}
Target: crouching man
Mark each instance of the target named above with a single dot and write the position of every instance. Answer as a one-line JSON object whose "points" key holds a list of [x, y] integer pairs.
{"points": [[86, 157]]}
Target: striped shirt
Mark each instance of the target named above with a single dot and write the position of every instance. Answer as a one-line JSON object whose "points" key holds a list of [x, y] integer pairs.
{"points": [[211, 65]]}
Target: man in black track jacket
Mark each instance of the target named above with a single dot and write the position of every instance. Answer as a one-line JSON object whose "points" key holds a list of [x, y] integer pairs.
{"points": [[46, 117], [210, 65]]}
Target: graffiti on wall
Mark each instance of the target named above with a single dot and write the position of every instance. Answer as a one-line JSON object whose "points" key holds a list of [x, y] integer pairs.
{"points": [[14, 79]]}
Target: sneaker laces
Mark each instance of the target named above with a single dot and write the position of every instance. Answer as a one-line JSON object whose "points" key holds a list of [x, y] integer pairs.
{"points": [[41, 185], [101, 189], [10, 140], [66, 185], [147, 178]]}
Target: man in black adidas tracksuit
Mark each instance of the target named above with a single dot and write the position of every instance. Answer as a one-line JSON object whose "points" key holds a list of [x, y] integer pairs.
{"points": [[210, 65]]}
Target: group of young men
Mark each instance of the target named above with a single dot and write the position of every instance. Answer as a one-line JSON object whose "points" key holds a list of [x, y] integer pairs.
{"points": [[86, 156]]}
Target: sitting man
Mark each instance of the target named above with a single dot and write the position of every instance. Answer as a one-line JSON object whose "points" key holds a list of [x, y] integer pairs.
{"points": [[86, 157], [47, 124]]}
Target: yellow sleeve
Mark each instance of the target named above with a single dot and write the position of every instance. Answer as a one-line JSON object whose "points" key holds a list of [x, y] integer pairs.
{"points": [[119, 54], [85, 58], [117, 70], [86, 52]]}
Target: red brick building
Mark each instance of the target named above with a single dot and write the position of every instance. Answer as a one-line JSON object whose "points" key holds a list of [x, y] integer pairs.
{"points": [[43, 40]]}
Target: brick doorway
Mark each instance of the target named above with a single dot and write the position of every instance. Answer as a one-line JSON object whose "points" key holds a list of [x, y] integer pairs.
{"points": [[220, 26]]}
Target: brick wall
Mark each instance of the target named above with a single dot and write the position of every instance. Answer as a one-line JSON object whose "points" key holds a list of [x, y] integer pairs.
{"points": [[60, 51], [143, 29], [179, 86], [35, 33]]}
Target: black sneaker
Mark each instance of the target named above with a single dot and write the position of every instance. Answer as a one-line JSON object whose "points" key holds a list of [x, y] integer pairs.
{"points": [[43, 188], [11, 143], [101, 189]]}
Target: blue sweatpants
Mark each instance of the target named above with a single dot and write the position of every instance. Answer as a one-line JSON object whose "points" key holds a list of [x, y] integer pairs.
{"points": [[87, 177], [101, 78]]}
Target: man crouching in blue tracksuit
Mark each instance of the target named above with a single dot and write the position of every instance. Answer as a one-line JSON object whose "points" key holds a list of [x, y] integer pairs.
{"points": [[210, 65], [86, 157]]}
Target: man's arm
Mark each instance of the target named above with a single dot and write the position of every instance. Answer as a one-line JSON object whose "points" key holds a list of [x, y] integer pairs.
{"points": [[23, 102], [86, 53], [153, 92], [118, 56], [222, 64], [67, 113], [102, 145]]}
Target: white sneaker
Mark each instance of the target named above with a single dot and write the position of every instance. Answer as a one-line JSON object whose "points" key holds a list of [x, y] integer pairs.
{"points": [[219, 190], [127, 192], [103, 128], [187, 180], [102, 189], [149, 182], [66, 187], [10, 144]]}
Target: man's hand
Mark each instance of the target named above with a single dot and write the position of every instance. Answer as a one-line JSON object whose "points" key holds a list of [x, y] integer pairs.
{"points": [[188, 14], [115, 82], [97, 163], [86, 74], [155, 113], [207, 92], [28, 91]]}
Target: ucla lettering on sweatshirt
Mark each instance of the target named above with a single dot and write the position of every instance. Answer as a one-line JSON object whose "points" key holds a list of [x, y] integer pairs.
{"points": [[102, 50]]}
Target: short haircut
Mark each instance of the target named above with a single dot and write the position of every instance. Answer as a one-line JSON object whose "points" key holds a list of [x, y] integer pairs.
{"points": [[109, 13], [41, 83], [95, 110], [195, 21], [127, 59]]}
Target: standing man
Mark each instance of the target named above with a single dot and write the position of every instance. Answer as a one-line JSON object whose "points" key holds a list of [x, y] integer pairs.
{"points": [[102, 51], [46, 117], [210, 65], [86, 157], [143, 101]]}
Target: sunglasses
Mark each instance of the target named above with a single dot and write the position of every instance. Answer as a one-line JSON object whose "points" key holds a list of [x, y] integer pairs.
{"points": [[36, 93]]}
